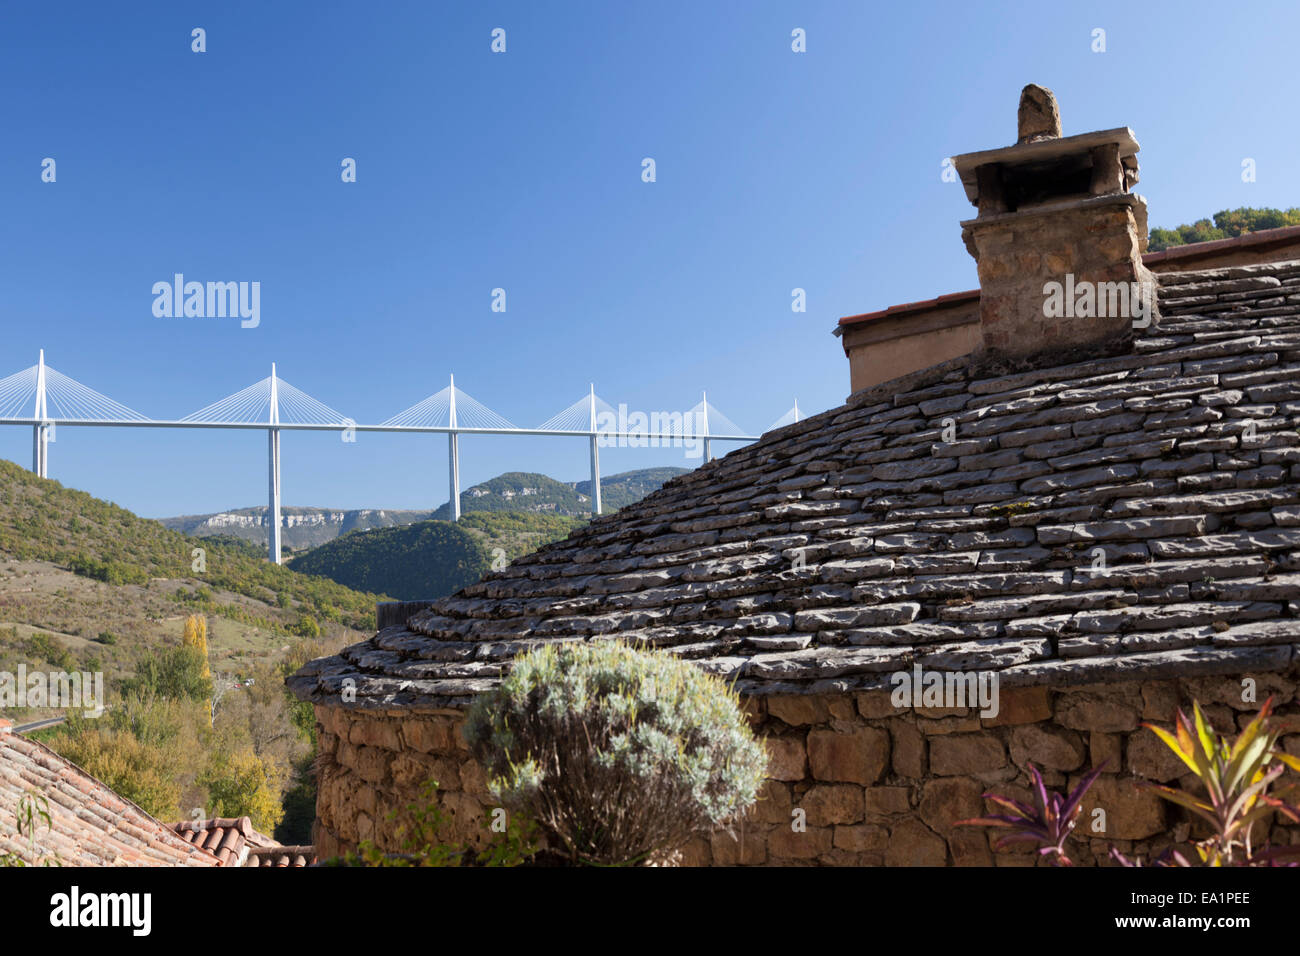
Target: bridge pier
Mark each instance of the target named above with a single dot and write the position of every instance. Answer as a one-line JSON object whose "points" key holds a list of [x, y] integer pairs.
{"points": [[708, 443], [273, 476], [273, 505], [40, 433], [595, 458], [595, 478], [453, 475], [41, 450], [453, 455]]}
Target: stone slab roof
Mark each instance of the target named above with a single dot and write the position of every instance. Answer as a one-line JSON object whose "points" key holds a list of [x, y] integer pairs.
{"points": [[859, 542], [90, 824]]}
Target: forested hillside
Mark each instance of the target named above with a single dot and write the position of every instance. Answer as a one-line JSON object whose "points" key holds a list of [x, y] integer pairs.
{"points": [[428, 559]]}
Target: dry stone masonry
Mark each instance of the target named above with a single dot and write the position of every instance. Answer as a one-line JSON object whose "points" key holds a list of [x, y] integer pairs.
{"points": [[1112, 538], [1103, 516]]}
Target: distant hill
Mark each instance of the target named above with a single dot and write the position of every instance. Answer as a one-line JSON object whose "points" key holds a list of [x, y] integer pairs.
{"points": [[422, 560], [512, 534], [302, 527], [524, 491], [515, 491], [528, 491], [621, 490], [431, 559]]}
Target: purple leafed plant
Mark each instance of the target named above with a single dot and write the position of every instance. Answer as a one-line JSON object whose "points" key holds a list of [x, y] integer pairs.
{"points": [[1047, 823]]}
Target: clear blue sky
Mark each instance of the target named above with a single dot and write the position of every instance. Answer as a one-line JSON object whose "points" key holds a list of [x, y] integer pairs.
{"points": [[522, 170]]}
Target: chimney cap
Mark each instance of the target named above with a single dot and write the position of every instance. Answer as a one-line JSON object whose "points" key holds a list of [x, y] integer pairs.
{"points": [[1045, 151], [1039, 117]]}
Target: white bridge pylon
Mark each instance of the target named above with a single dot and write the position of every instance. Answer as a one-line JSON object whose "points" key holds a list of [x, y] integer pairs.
{"points": [[42, 397]]}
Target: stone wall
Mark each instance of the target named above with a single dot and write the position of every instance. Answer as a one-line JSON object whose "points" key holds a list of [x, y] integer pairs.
{"points": [[1017, 253], [878, 786], [371, 764]]}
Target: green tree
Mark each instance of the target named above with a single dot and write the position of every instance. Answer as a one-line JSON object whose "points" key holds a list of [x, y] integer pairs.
{"points": [[1227, 224], [244, 784], [174, 673]]}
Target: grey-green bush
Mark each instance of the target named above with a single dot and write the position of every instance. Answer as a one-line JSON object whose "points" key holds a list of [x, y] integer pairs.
{"points": [[619, 755]]}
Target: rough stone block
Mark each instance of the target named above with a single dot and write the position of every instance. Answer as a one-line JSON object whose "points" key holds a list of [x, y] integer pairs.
{"points": [[787, 759], [789, 844], [1046, 747], [828, 804], [697, 852], [944, 802], [1149, 757], [861, 838], [969, 847], [876, 705], [1131, 813], [375, 733], [1111, 711], [948, 725], [371, 763], [799, 709], [886, 800], [912, 843], [1159, 700], [428, 735], [857, 757], [1021, 705], [909, 750], [1105, 749], [965, 754]]}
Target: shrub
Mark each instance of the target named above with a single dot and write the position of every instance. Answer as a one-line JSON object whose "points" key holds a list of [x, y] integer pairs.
{"points": [[46, 647], [307, 627], [107, 637], [619, 755], [110, 572]]}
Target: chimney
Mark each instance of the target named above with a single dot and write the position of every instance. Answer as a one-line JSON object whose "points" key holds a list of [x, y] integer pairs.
{"points": [[1058, 240]]}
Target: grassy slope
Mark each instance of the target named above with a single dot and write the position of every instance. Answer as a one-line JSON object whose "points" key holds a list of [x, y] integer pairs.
{"points": [[50, 615]]}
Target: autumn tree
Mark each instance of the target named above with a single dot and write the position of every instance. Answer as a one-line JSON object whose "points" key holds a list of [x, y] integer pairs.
{"points": [[196, 636], [244, 784]]}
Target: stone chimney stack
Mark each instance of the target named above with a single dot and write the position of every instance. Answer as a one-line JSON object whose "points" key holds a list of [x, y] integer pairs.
{"points": [[1058, 240]]}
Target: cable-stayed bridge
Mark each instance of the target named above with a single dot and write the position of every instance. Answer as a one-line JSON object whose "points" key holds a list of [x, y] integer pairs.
{"points": [[44, 398]]}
